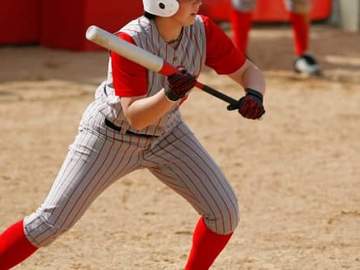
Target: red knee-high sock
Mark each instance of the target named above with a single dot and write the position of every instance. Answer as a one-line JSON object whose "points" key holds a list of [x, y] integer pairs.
{"points": [[241, 24], [206, 246], [14, 246], [301, 29]]}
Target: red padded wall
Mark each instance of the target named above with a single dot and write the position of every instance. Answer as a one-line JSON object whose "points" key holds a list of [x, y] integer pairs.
{"points": [[19, 21], [266, 11], [64, 22]]}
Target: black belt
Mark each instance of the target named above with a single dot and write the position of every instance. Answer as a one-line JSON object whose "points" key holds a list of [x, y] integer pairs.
{"points": [[114, 127]]}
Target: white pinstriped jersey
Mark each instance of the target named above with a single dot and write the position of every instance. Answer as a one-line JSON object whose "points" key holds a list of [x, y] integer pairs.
{"points": [[189, 53]]}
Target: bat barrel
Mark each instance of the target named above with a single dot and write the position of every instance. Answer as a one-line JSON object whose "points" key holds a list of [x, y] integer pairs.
{"points": [[124, 48]]}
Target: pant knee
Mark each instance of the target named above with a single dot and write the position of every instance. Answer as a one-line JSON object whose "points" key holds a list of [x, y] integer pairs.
{"points": [[225, 221], [42, 229], [233, 219]]}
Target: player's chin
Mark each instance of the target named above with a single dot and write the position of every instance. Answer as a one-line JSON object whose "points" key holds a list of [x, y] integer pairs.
{"points": [[190, 20]]}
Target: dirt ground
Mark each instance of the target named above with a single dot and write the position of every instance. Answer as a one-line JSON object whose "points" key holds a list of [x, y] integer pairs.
{"points": [[296, 173]]}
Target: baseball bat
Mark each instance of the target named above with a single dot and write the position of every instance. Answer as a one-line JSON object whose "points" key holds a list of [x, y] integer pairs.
{"points": [[144, 58]]}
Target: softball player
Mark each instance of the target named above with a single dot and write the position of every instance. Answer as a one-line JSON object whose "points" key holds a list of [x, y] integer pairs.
{"points": [[299, 15], [134, 123]]}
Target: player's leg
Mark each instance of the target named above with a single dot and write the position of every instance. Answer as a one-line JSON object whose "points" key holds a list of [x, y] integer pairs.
{"points": [[241, 20], [183, 164], [14, 246], [94, 162], [300, 18]]}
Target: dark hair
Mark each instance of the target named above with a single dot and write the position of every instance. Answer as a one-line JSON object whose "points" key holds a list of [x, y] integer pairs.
{"points": [[149, 15]]}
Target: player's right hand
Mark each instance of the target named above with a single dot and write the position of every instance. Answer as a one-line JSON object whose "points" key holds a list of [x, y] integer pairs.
{"points": [[250, 106], [179, 84]]}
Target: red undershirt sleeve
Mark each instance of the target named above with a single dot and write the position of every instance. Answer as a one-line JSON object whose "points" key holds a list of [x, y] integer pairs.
{"points": [[129, 78], [221, 54]]}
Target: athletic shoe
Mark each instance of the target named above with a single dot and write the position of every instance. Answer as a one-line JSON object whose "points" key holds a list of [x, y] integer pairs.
{"points": [[306, 64]]}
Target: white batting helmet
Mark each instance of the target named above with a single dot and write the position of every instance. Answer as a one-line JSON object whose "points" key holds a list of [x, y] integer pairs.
{"points": [[162, 8]]}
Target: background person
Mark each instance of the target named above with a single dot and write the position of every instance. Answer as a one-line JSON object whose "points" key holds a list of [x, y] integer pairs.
{"points": [[299, 12]]}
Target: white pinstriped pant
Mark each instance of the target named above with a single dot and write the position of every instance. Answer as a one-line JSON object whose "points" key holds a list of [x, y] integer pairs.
{"points": [[297, 6], [100, 155]]}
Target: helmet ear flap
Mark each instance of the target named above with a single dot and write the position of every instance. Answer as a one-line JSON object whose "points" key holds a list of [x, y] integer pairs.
{"points": [[162, 8]]}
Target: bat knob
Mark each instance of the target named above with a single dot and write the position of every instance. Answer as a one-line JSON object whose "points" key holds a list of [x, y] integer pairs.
{"points": [[91, 32]]}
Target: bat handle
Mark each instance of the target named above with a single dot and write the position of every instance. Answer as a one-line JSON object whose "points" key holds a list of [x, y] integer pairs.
{"points": [[168, 69], [215, 93]]}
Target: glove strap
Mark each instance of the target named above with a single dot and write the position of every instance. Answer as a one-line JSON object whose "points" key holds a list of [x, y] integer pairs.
{"points": [[254, 93]]}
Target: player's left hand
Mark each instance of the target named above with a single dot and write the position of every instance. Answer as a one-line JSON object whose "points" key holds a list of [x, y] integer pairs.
{"points": [[250, 106], [179, 84]]}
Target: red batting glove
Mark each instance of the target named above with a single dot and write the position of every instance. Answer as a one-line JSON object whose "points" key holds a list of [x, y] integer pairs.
{"points": [[179, 84], [250, 106]]}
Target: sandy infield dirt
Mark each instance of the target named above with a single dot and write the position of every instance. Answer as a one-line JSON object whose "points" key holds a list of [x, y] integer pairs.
{"points": [[296, 173]]}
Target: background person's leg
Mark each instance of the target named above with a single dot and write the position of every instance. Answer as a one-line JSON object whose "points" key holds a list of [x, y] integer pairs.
{"points": [[299, 11], [241, 21]]}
